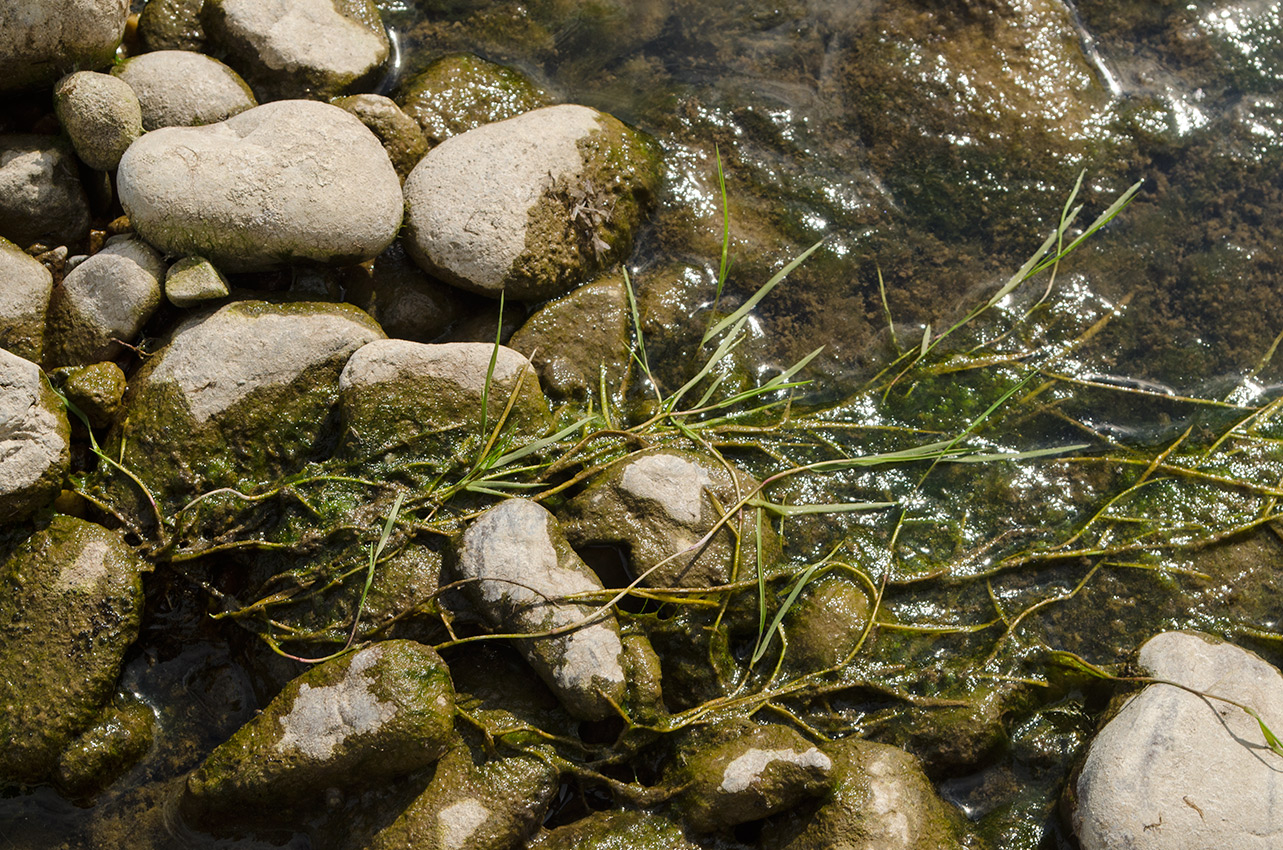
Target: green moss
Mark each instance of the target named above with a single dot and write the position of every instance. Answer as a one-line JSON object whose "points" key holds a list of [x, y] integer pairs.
{"points": [[460, 92], [107, 749], [617, 830]]}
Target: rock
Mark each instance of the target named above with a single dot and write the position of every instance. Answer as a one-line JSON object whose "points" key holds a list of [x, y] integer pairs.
{"points": [[460, 92], [396, 392], [518, 565], [658, 505], [172, 25], [405, 301], [825, 623], [102, 753], [34, 439], [239, 395], [367, 717], [40, 42], [96, 390], [41, 199], [1175, 770], [578, 338], [70, 607], [881, 800], [532, 206], [104, 302], [611, 829], [753, 772], [179, 88], [25, 286], [277, 184], [474, 802], [400, 134], [299, 48], [101, 116], [193, 280]]}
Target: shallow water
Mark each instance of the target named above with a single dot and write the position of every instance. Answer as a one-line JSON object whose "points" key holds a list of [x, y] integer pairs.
{"points": [[934, 143]]}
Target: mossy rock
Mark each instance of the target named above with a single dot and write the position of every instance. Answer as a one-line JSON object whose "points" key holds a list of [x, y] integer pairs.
{"points": [[70, 606], [96, 390], [609, 830], [239, 396], [104, 752], [460, 92], [365, 718]]}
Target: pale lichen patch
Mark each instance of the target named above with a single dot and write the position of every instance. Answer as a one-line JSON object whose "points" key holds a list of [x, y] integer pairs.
{"points": [[745, 770], [321, 719], [675, 483], [459, 821], [89, 568]]}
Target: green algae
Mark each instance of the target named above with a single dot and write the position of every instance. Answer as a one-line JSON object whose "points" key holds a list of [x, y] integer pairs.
{"points": [[460, 92]]}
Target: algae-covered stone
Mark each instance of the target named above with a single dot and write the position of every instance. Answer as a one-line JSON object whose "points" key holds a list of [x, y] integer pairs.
{"points": [[179, 88], [400, 134], [518, 566], [475, 802], [172, 25], [96, 390], [70, 606], [405, 301], [460, 92], [25, 286], [299, 48], [826, 622], [41, 198], [580, 340], [193, 280], [880, 800], [101, 116], [34, 439], [1199, 766], [364, 718], [104, 751], [753, 772], [659, 504], [239, 395], [104, 302], [281, 183], [40, 42], [532, 206], [396, 392], [616, 829]]}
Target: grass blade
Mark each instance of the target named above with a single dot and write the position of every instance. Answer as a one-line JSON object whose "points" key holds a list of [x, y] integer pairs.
{"points": [[747, 306]]}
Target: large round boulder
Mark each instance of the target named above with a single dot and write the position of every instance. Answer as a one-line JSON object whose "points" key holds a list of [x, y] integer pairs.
{"points": [[281, 183], [532, 206]]}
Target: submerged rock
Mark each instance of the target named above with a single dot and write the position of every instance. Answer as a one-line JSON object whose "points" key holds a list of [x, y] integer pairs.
{"points": [[1176, 770], [101, 116], [365, 718], [104, 302], [580, 341], [41, 198], [238, 396], [40, 42], [172, 25], [609, 830], [532, 206], [825, 624], [400, 395], [474, 802], [70, 607], [300, 48], [25, 286], [34, 439], [755, 771], [518, 566], [460, 92], [659, 504], [102, 753], [281, 183], [179, 88], [881, 800]]}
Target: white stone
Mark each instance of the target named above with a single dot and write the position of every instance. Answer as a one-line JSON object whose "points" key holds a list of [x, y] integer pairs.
{"points": [[676, 484], [34, 438], [459, 821], [25, 286], [463, 363], [1176, 771], [469, 199], [746, 770], [181, 88], [41, 41], [283, 182]]}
